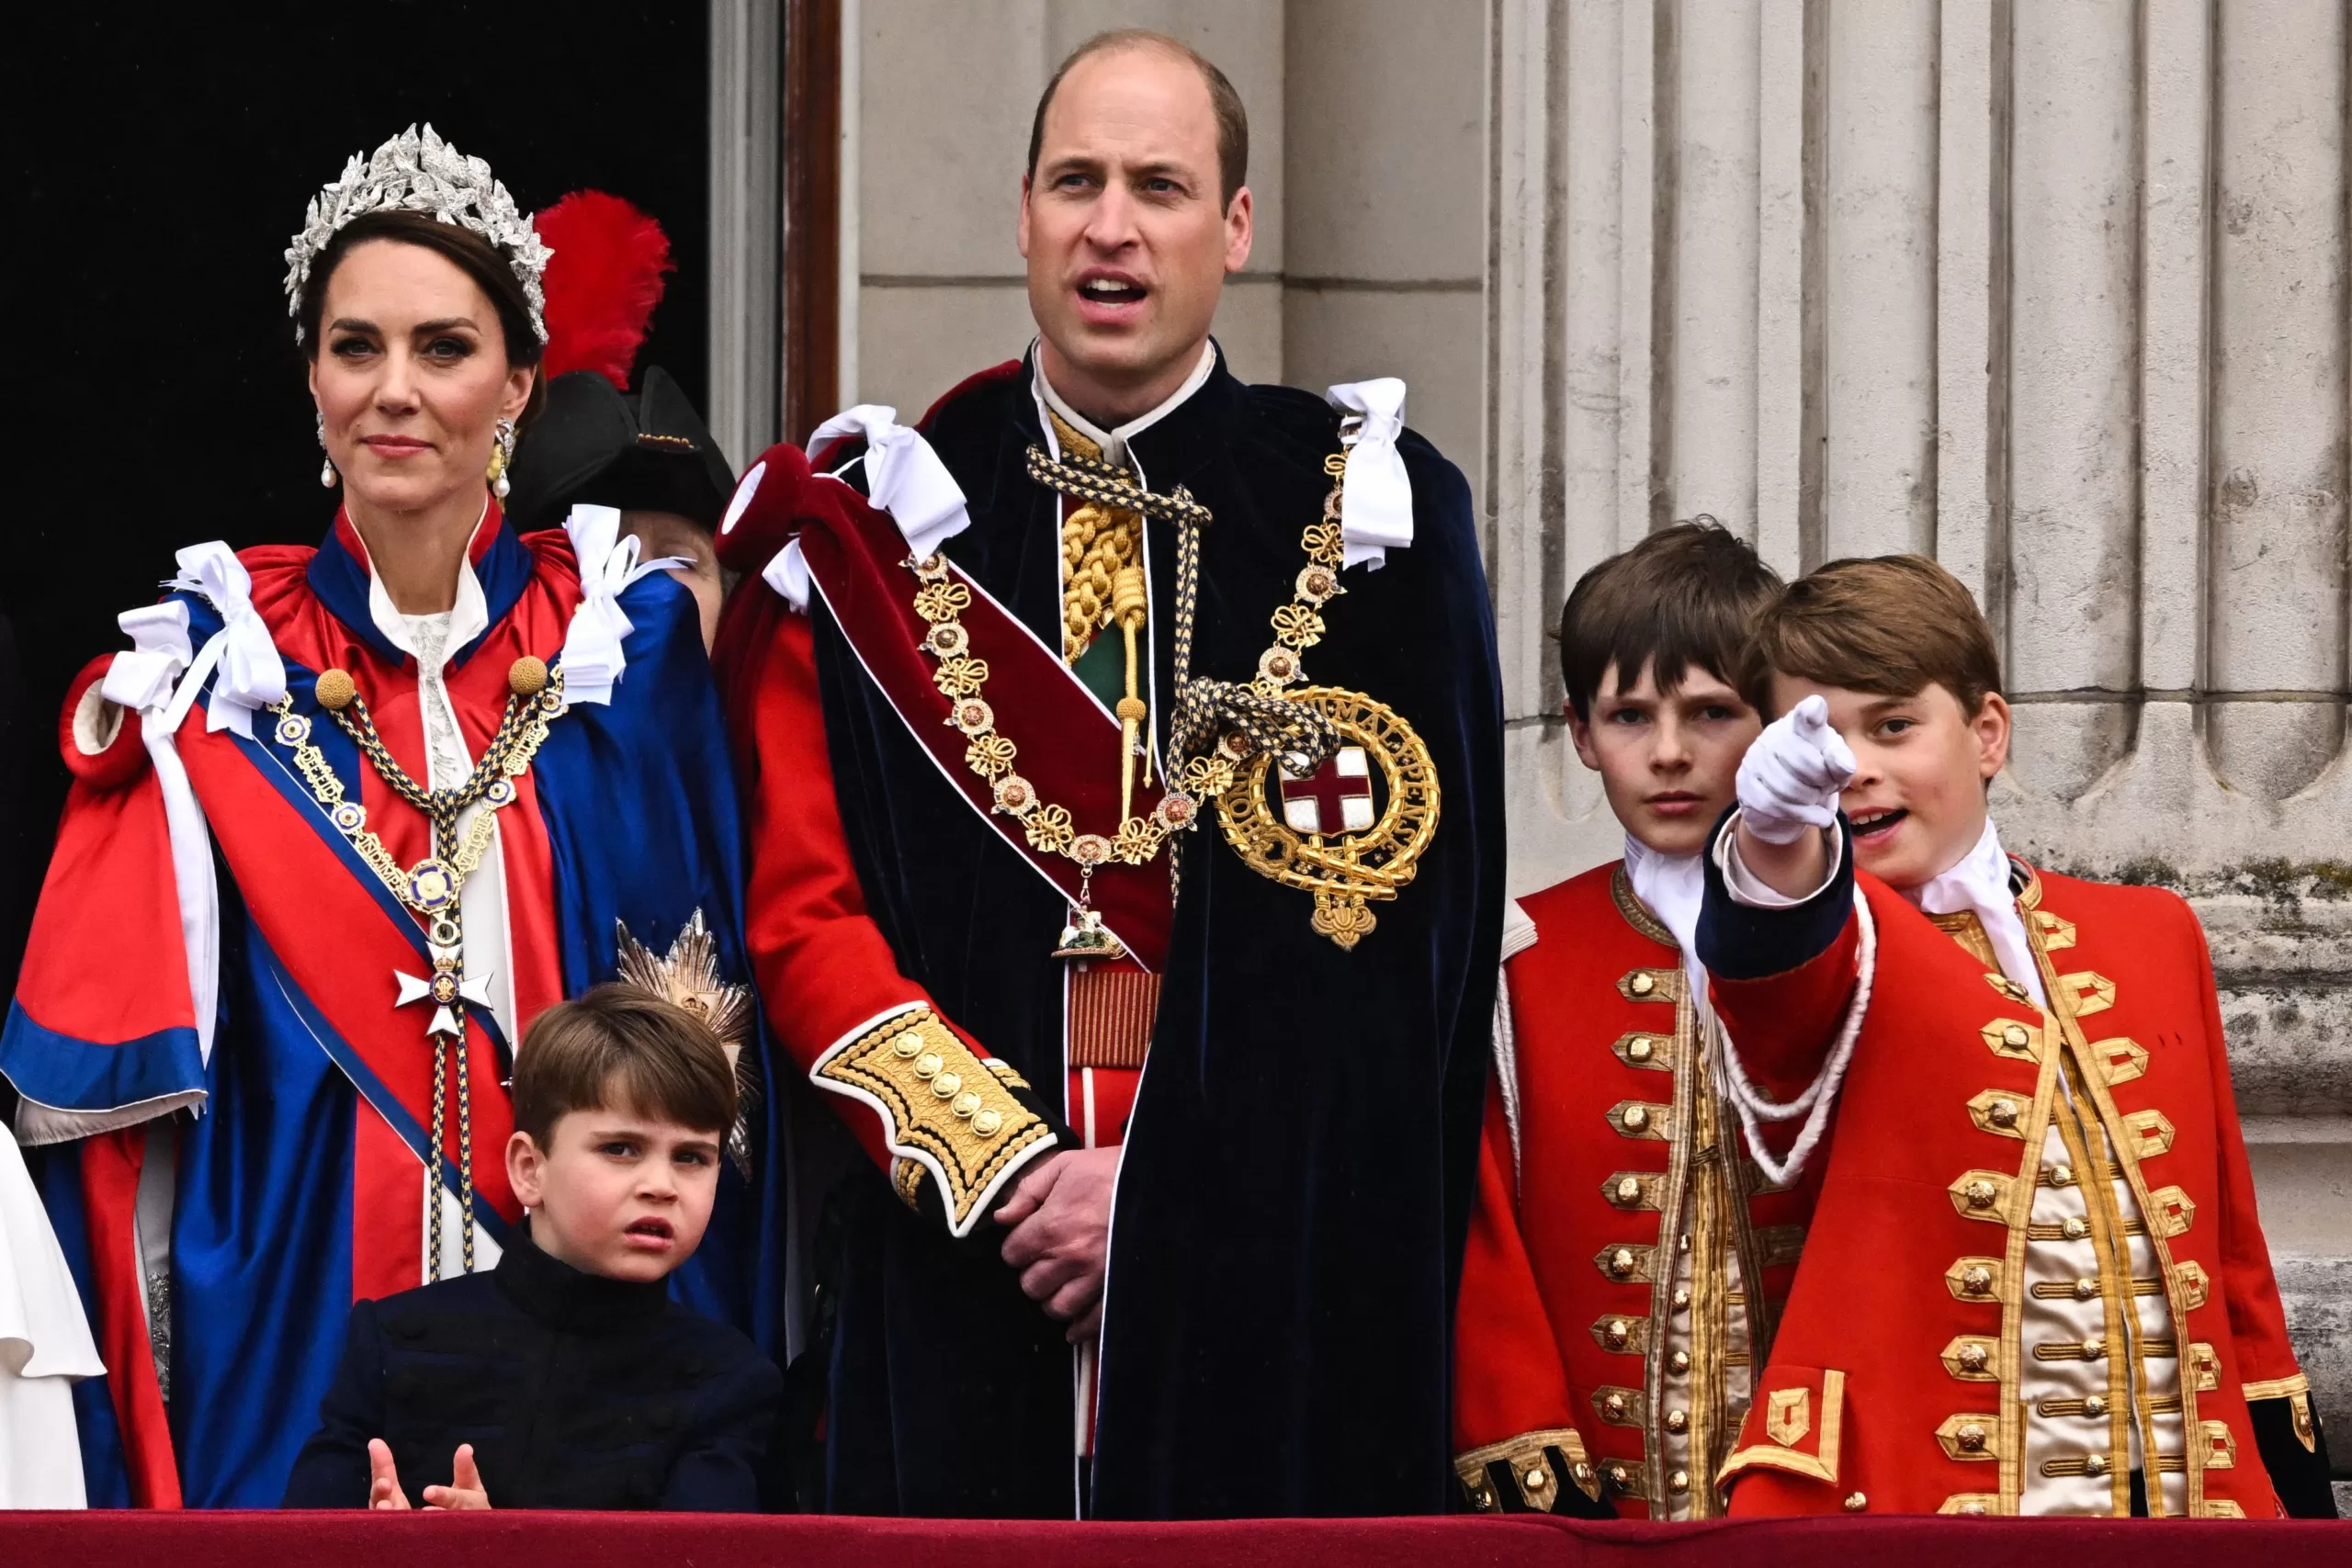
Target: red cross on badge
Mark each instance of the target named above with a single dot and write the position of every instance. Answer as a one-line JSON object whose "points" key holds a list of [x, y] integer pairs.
{"points": [[1334, 798]]}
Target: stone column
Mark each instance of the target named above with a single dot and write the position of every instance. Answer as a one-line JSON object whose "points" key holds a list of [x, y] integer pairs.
{"points": [[2056, 293]]}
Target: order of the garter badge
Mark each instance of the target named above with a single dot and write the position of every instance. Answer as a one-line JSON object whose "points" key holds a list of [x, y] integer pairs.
{"points": [[1351, 830]]}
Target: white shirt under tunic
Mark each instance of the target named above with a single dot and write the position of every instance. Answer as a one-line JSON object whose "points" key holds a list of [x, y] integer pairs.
{"points": [[431, 641], [2097, 1359]]}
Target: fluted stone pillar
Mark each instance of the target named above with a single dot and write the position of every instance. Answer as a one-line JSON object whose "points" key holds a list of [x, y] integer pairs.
{"points": [[2056, 293]]}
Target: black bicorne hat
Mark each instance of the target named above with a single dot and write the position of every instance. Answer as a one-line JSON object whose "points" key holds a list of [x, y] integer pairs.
{"points": [[597, 446]]}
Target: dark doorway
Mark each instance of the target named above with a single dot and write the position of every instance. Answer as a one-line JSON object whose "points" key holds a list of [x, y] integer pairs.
{"points": [[165, 156]]}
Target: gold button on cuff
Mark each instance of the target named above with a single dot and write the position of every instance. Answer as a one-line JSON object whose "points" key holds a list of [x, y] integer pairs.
{"points": [[966, 1130], [1856, 1502]]}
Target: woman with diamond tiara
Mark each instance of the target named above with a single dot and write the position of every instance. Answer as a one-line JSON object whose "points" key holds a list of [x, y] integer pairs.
{"points": [[343, 821]]}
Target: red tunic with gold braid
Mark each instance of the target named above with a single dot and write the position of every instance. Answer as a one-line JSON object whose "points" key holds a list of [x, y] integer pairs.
{"points": [[1995, 1167], [1609, 1315]]}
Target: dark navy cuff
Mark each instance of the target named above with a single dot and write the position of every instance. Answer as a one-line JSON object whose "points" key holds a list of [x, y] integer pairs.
{"points": [[1740, 941]]}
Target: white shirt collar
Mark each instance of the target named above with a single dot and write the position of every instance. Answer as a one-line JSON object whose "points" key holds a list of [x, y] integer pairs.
{"points": [[1115, 442], [1980, 885], [468, 617]]}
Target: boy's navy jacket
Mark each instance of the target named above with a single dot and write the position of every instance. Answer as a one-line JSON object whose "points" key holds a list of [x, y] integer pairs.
{"points": [[576, 1392]]}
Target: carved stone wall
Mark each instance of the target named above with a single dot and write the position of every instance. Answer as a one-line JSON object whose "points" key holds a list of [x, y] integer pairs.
{"points": [[2053, 292]]}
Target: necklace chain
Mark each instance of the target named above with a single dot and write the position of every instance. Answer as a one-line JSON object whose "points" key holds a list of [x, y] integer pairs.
{"points": [[435, 885], [1216, 725]]}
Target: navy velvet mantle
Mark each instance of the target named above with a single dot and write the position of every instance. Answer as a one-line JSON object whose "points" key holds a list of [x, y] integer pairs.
{"points": [[1300, 1163]]}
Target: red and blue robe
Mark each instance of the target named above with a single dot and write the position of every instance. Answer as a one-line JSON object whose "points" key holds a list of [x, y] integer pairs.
{"points": [[300, 1137]]}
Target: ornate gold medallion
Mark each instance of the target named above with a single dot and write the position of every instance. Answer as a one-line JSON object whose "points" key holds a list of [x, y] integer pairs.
{"points": [[1351, 830]]}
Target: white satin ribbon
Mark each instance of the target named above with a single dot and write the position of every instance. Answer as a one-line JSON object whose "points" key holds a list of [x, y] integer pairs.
{"points": [[158, 678], [904, 477], [593, 659], [1376, 507], [250, 676]]}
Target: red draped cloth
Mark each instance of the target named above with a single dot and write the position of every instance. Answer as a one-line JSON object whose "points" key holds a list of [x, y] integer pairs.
{"points": [[656, 1540]]}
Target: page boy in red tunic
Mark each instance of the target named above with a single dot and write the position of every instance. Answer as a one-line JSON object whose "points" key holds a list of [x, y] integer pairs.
{"points": [[1628, 1252], [2035, 1280]]}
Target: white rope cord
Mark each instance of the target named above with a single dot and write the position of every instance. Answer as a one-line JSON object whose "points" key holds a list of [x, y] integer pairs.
{"points": [[1755, 1108]]}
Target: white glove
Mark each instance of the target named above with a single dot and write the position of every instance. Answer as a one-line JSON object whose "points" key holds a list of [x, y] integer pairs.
{"points": [[1794, 773]]}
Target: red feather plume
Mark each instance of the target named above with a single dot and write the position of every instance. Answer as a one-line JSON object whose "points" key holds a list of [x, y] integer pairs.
{"points": [[602, 282]]}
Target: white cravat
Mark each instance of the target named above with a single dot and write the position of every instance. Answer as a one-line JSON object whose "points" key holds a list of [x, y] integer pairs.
{"points": [[1980, 885], [1673, 888]]}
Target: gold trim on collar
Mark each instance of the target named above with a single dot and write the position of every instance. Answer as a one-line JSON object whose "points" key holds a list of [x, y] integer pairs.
{"points": [[1637, 914]]}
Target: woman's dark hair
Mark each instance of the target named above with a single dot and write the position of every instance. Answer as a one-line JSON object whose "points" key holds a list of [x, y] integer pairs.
{"points": [[467, 251]]}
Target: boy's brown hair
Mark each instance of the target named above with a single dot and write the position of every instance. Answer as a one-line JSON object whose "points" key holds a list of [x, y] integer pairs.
{"points": [[1685, 595], [619, 1047], [1891, 625]]}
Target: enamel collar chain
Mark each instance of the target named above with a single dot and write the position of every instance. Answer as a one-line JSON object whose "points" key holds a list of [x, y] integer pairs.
{"points": [[1216, 725], [433, 886]]}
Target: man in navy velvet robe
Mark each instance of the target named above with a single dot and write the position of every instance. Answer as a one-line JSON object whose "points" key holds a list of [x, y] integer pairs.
{"points": [[970, 771]]}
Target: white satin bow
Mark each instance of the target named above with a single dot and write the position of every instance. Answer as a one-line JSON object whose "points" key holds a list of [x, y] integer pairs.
{"points": [[1377, 506], [146, 674], [250, 674], [904, 475], [593, 659]]}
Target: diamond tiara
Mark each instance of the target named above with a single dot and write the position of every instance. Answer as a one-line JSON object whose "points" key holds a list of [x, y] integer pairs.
{"points": [[420, 173]]}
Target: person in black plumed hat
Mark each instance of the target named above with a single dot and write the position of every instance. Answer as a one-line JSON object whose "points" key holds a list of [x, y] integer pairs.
{"points": [[645, 452]]}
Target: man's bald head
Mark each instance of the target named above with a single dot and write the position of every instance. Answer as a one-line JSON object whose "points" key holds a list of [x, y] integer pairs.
{"points": [[1232, 120]]}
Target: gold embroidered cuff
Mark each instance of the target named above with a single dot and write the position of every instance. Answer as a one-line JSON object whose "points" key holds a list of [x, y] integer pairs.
{"points": [[942, 1107], [1531, 1471]]}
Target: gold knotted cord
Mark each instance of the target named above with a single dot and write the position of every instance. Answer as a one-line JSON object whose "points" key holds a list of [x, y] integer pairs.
{"points": [[1102, 586]]}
